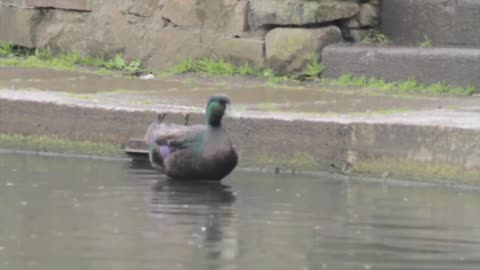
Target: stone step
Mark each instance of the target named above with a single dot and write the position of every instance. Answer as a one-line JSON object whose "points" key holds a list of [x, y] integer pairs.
{"points": [[456, 66], [444, 22]]}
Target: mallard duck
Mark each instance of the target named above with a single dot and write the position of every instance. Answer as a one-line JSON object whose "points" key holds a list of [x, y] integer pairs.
{"points": [[198, 152]]}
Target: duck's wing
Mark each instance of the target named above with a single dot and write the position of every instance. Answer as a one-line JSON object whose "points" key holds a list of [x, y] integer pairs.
{"points": [[173, 136]]}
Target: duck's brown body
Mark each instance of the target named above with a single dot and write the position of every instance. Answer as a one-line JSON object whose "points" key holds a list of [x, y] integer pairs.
{"points": [[199, 152]]}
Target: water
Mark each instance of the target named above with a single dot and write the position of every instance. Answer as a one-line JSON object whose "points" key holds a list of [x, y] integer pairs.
{"points": [[70, 213]]}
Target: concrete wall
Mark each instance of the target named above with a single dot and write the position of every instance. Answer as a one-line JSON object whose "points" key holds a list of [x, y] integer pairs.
{"points": [[409, 151], [457, 66], [444, 22]]}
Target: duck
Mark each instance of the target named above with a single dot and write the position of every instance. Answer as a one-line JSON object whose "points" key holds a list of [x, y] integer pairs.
{"points": [[196, 152]]}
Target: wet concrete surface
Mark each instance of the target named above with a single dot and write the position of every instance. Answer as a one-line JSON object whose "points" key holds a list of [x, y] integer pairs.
{"points": [[193, 91], [290, 127]]}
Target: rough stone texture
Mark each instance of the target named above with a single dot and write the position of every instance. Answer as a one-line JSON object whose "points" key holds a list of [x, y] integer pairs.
{"points": [[19, 25], [145, 8], [368, 16], [221, 15], [14, 3], [72, 5], [241, 50], [173, 45], [456, 66], [298, 12], [443, 22], [290, 49]]}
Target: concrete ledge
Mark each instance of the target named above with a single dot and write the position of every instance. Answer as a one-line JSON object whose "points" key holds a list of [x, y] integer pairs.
{"points": [[456, 66], [443, 22], [395, 148]]}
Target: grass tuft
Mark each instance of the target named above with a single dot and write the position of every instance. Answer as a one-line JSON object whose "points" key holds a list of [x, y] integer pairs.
{"points": [[313, 70], [375, 37], [6, 49], [58, 145], [409, 86], [44, 58]]}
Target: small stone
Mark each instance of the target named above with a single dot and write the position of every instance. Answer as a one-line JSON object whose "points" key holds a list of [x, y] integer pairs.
{"points": [[147, 77]]}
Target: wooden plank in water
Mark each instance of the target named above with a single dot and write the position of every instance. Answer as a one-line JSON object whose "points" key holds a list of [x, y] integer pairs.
{"points": [[137, 149]]}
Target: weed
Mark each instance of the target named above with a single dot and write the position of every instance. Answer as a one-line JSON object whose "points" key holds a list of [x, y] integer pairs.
{"points": [[313, 70], [215, 67], [221, 67], [246, 69], [58, 145], [6, 49], [44, 58], [409, 86], [374, 37], [426, 43]]}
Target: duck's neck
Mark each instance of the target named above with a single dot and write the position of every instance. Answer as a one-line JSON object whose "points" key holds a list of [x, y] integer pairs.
{"points": [[214, 114]]}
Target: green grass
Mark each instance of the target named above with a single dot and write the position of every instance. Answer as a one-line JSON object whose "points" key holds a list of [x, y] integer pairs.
{"points": [[409, 86], [375, 37], [426, 43], [58, 145], [6, 49], [44, 58], [313, 70], [220, 67]]}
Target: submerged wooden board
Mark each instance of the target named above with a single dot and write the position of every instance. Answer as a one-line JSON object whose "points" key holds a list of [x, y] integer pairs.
{"points": [[137, 149]]}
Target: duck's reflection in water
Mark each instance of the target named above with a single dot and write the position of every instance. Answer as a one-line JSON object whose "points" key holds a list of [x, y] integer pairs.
{"points": [[205, 207]]}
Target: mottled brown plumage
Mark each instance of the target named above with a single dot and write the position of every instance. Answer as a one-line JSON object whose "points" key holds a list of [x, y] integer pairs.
{"points": [[198, 152]]}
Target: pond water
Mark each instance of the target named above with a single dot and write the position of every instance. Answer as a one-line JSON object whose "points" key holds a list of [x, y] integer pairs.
{"points": [[72, 213]]}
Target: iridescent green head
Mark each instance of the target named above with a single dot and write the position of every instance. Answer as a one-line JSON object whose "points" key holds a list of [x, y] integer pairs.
{"points": [[216, 109]]}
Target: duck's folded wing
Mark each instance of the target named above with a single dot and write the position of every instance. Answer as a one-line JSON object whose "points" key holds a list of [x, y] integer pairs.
{"points": [[176, 136]]}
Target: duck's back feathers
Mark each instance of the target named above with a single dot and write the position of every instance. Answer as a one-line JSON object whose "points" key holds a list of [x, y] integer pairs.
{"points": [[190, 152]]}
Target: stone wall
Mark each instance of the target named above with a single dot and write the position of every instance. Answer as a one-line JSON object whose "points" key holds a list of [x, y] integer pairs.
{"points": [[286, 34]]}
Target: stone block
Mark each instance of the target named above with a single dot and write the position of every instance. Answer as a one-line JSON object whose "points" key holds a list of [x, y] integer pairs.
{"points": [[14, 3], [289, 50], [144, 8], [172, 45], [18, 25], [60, 4], [241, 50], [219, 15], [443, 22], [368, 16], [298, 12], [456, 66]]}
